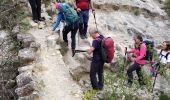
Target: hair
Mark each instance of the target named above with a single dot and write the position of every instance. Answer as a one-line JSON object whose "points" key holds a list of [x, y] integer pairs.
{"points": [[93, 30], [168, 45], [139, 37]]}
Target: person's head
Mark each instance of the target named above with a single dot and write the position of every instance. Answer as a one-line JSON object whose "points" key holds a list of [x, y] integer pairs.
{"points": [[136, 45], [93, 32], [138, 39], [57, 5], [166, 45]]}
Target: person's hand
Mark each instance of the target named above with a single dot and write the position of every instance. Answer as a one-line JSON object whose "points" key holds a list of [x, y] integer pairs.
{"points": [[89, 51], [132, 59], [78, 9]]}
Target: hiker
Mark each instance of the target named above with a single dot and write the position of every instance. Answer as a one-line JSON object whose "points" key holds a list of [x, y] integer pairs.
{"points": [[97, 61], [71, 21], [36, 10], [164, 54], [139, 60], [82, 7]]}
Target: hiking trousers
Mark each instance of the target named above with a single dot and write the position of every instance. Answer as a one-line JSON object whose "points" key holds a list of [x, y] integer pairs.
{"points": [[73, 29], [84, 18], [36, 9], [132, 68], [97, 69]]}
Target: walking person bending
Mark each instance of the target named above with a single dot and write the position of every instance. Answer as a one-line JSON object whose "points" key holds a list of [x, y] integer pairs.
{"points": [[138, 59], [71, 21], [82, 7], [97, 61]]}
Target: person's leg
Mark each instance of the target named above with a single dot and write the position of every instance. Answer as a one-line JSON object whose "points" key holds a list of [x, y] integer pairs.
{"points": [[100, 75], [85, 22], [66, 30], [73, 35], [130, 70], [81, 25], [93, 78], [38, 3], [140, 76], [34, 11]]}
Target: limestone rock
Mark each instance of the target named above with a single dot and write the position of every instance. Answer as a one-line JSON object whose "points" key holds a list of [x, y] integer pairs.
{"points": [[26, 55], [25, 39], [15, 30], [35, 46], [34, 96], [24, 78], [26, 90], [52, 40], [26, 68]]}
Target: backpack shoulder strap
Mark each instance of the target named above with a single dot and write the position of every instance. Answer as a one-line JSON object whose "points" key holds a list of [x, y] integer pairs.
{"points": [[160, 54], [167, 55]]}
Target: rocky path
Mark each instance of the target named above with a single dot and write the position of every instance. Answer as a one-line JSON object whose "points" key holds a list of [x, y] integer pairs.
{"points": [[58, 84]]}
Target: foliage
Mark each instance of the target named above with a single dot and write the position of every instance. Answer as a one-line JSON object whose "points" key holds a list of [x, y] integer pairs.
{"points": [[11, 13], [89, 94], [167, 6], [137, 12]]}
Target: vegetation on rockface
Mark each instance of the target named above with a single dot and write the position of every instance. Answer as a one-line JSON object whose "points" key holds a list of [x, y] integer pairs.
{"points": [[167, 7], [12, 14]]}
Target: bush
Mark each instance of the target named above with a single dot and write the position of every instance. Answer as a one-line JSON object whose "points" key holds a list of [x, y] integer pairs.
{"points": [[167, 7]]}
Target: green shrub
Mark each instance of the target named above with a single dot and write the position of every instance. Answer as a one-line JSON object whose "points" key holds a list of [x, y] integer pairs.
{"points": [[167, 6]]}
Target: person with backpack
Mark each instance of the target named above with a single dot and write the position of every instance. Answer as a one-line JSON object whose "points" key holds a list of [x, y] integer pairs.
{"points": [[103, 51], [82, 7], [164, 54], [36, 10], [139, 60], [71, 22]]}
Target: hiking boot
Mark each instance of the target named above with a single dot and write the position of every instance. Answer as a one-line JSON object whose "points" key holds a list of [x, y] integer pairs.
{"points": [[41, 19], [85, 36], [35, 21], [82, 36]]}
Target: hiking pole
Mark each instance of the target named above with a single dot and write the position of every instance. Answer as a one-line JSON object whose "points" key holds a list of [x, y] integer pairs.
{"points": [[155, 76], [95, 21], [125, 60], [78, 51]]}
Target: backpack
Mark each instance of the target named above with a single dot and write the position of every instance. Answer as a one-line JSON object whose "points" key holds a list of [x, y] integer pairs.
{"points": [[149, 50], [107, 49], [166, 56], [69, 13]]}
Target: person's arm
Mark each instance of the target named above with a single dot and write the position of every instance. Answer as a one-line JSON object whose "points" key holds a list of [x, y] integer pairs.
{"points": [[91, 6], [142, 53], [59, 18], [94, 46], [131, 51], [74, 4]]}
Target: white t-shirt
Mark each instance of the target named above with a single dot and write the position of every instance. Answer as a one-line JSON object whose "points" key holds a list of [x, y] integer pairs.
{"points": [[162, 57]]}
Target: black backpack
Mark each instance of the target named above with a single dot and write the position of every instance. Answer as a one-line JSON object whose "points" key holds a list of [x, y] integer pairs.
{"points": [[149, 50]]}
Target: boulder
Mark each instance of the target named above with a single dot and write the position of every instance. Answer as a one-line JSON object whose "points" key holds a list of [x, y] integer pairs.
{"points": [[35, 46], [24, 78], [25, 68], [34, 96], [15, 30], [25, 39], [26, 55], [26, 90], [52, 40]]}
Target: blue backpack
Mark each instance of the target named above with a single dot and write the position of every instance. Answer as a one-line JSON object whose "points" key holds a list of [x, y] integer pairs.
{"points": [[70, 15]]}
